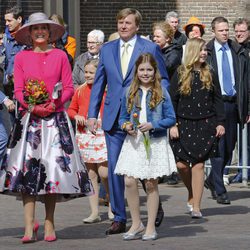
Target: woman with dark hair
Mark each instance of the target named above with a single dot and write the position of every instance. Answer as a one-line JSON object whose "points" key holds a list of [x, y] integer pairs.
{"points": [[194, 28], [42, 161]]}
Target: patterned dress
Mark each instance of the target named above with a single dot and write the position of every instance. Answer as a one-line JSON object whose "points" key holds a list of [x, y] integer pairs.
{"points": [[92, 147], [198, 115]]}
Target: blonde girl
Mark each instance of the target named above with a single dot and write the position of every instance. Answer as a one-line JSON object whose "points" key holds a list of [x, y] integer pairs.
{"points": [[197, 101]]}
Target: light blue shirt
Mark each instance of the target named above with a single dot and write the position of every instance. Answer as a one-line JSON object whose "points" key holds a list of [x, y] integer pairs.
{"points": [[219, 52]]}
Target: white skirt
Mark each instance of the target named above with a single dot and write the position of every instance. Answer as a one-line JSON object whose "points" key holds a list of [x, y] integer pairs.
{"points": [[133, 160], [92, 147]]}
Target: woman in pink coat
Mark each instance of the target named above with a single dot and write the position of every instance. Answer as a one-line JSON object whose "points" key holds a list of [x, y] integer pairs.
{"points": [[42, 160]]}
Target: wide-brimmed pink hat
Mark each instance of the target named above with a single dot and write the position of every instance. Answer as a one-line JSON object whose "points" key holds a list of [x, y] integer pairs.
{"points": [[23, 34]]}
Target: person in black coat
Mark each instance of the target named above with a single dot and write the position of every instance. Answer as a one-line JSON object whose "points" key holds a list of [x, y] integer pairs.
{"points": [[236, 102], [163, 36]]}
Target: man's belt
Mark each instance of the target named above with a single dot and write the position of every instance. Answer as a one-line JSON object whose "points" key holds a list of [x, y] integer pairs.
{"points": [[227, 98]]}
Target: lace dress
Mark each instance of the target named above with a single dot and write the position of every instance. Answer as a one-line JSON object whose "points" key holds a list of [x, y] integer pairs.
{"points": [[133, 160]]}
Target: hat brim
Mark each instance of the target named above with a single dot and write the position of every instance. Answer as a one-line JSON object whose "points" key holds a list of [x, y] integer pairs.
{"points": [[198, 24], [22, 36]]}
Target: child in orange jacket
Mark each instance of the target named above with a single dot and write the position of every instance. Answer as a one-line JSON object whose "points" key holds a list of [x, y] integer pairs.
{"points": [[92, 147]]}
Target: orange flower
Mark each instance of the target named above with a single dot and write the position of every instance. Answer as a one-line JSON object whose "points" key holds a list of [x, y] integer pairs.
{"points": [[135, 115], [35, 92]]}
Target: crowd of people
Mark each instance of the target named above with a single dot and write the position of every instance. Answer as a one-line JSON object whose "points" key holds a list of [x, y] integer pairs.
{"points": [[170, 104]]}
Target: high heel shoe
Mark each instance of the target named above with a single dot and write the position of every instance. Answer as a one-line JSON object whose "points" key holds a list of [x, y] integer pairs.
{"points": [[27, 239], [152, 236], [134, 235], [50, 238]]}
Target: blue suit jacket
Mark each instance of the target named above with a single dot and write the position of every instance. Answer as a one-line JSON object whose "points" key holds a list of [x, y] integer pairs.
{"points": [[109, 73], [2, 97]]}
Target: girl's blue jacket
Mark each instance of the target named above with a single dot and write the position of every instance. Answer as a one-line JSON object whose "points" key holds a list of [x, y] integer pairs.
{"points": [[162, 116]]}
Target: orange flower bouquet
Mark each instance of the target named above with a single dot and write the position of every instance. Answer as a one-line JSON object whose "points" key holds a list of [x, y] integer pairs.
{"points": [[35, 92], [146, 140]]}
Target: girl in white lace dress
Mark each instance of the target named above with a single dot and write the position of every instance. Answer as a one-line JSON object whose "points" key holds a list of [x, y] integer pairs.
{"points": [[146, 113]]}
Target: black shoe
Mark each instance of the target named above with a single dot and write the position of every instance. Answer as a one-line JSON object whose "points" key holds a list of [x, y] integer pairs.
{"points": [[116, 227], [237, 178], [161, 180], [210, 186], [172, 179], [223, 199], [159, 216]]}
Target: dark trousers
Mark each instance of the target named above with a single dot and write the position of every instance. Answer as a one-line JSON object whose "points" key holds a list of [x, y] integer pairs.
{"points": [[226, 147]]}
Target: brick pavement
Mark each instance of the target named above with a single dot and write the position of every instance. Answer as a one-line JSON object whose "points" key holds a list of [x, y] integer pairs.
{"points": [[223, 226]]}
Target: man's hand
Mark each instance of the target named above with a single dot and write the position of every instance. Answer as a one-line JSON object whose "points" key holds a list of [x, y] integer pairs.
{"points": [[248, 119], [9, 104], [92, 125]]}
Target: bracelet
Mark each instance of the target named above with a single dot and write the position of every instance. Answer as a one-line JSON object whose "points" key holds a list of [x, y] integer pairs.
{"points": [[30, 108], [125, 124]]}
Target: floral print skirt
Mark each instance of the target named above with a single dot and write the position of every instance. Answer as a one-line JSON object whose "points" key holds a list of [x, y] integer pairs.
{"points": [[42, 158], [92, 147]]}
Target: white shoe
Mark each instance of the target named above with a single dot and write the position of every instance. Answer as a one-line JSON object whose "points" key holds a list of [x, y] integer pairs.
{"points": [[91, 220], [226, 179], [196, 215], [153, 236], [134, 235], [189, 207], [110, 214]]}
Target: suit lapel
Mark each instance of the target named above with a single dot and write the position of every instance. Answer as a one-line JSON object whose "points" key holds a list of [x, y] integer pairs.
{"points": [[117, 56]]}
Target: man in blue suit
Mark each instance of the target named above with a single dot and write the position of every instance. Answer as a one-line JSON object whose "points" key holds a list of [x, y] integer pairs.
{"points": [[111, 72], [9, 104]]}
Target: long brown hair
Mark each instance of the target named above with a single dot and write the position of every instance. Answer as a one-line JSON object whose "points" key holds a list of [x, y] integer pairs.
{"points": [[191, 57], [133, 96]]}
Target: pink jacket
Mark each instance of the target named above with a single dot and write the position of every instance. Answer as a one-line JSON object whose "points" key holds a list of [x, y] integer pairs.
{"points": [[50, 67]]}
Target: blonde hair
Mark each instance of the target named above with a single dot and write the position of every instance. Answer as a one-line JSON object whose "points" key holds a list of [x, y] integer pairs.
{"points": [[165, 28], [191, 57], [133, 96], [58, 19], [113, 36], [93, 62]]}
